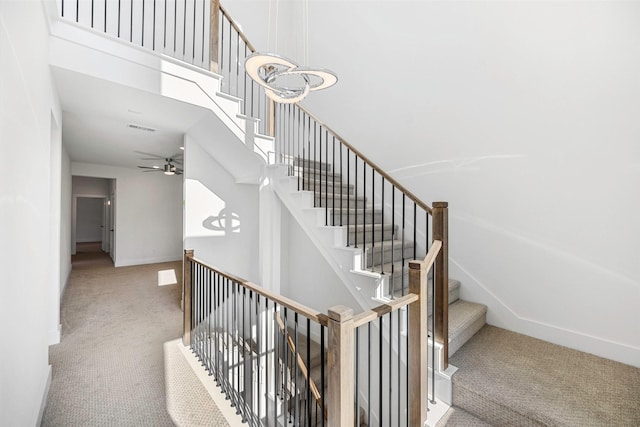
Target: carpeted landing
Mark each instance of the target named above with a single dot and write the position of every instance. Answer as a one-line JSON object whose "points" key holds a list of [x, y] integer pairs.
{"points": [[112, 367], [508, 379]]}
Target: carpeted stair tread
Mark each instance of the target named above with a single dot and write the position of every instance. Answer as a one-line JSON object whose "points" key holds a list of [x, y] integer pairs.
{"points": [[465, 319], [509, 379], [458, 417]]}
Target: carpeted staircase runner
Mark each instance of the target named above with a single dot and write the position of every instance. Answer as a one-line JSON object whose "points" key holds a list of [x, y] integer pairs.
{"points": [[509, 379]]}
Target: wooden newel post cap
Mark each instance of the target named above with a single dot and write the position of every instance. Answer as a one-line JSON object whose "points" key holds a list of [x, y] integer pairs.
{"points": [[340, 313], [440, 204], [188, 252], [415, 265]]}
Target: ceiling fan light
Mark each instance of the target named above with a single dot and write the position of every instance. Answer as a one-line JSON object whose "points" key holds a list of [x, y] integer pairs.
{"points": [[169, 169]]}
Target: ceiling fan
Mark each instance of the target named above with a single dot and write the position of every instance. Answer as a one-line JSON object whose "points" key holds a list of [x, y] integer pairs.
{"points": [[169, 168]]}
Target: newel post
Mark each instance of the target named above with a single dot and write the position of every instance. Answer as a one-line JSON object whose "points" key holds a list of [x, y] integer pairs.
{"points": [[419, 348], [441, 277], [271, 117], [186, 296], [214, 30], [340, 364]]}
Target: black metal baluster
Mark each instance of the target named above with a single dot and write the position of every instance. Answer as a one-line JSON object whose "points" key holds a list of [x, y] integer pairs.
{"points": [[276, 364], [221, 43], [142, 38], [193, 38], [406, 383], [308, 406], [400, 362], [392, 280], [242, 342], [105, 15], [373, 239], [296, 405], [333, 182], [92, 14], [184, 30], [355, 197], [380, 356], [326, 180], [348, 179], [130, 24], [208, 326], [415, 228], [382, 226], [369, 374], [315, 163], [204, 10], [322, 366], [287, 373], [403, 239], [357, 377], [216, 314], [391, 365], [237, 61], [248, 360]]}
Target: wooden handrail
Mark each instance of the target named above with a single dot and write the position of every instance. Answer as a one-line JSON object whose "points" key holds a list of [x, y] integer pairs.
{"points": [[238, 30], [385, 308], [301, 364], [302, 309], [377, 168]]}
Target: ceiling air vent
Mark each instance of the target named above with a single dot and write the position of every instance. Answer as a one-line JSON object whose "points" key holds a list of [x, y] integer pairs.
{"points": [[140, 127]]}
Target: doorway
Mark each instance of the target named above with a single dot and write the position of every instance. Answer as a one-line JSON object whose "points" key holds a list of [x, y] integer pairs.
{"points": [[93, 222]]}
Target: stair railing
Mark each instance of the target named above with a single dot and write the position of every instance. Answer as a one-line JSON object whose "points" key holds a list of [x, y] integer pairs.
{"points": [[202, 33], [376, 359]]}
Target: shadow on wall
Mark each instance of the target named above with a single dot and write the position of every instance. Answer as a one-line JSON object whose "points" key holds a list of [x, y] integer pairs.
{"points": [[226, 221]]}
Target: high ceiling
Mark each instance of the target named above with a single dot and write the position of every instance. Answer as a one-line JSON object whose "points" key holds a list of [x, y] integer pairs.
{"points": [[97, 114]]}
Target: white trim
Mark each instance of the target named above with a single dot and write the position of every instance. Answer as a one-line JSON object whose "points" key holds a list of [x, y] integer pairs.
{"points": [[45, 396]]}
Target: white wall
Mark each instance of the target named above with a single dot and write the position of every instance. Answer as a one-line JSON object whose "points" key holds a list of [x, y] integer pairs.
{"points": [[65, 221], [306, 276], [89, 219], [27, 105], [148, 213], [220, 215], [523, 116]]}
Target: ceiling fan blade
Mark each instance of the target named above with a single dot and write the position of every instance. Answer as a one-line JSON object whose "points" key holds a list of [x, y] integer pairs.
{"points": [[148, 167], [178, 155], [155, 156], [178, 161], [154, 170]]}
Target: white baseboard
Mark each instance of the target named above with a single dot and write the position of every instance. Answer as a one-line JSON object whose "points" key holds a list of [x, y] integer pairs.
{"points": [[45, 396], [142, 261], [53, 336]]}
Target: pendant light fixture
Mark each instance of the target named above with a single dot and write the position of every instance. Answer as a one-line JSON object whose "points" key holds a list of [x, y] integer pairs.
{"points": [[283, 80]]}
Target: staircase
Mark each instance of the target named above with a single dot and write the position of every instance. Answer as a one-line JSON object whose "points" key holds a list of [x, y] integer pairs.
{"points": [[376, 263]]}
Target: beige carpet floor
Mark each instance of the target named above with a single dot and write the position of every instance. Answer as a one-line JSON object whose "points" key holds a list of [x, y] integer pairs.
{"points": [[90, 255], [109, 369], [510, 379]]}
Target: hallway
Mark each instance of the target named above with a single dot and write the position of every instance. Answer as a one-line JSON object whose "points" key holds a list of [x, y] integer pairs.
{"points": [[109, 367]]}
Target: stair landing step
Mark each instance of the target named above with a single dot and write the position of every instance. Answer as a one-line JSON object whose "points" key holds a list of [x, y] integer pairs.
{"points": [[458, 417], [465, 319]]}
